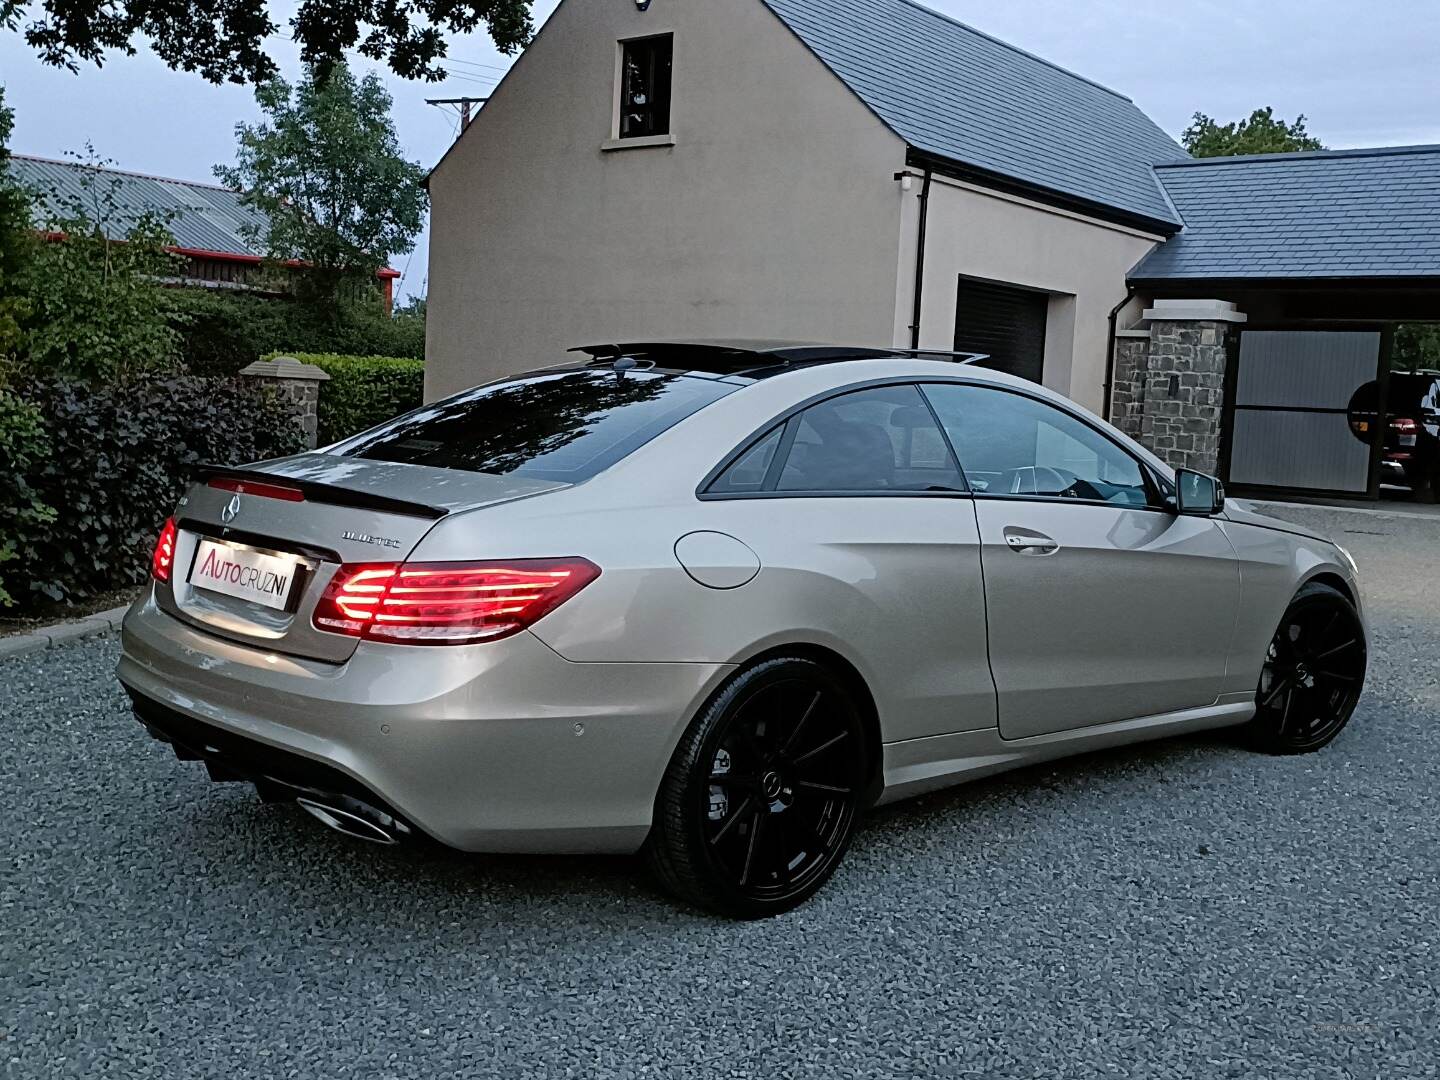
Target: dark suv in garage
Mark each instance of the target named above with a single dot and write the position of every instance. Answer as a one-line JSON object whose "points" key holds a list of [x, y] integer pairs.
{"points": [[1412, 429]]}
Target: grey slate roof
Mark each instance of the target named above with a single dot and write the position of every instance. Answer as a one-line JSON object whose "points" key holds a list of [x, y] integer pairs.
{"points": [[206, 217], [959, 94], [1326, 214]]}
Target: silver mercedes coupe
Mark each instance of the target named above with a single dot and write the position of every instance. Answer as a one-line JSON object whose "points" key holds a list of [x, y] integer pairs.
{"points": [[712, 601]]}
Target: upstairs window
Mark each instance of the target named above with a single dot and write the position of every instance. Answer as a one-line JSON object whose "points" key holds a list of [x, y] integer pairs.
{"points": [[645, 86]]}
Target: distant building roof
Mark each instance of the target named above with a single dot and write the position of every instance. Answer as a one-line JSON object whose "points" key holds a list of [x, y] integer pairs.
{"points": [[206, 218], [1325, 214], [953, 92]]}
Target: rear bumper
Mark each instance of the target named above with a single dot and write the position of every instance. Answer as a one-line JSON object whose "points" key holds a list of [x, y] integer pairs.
{"points": [[278, 775], [498, 747], [1404, 467]]}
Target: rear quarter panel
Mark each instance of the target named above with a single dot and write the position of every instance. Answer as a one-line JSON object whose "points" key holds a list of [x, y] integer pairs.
{"points": [[891, 585]]}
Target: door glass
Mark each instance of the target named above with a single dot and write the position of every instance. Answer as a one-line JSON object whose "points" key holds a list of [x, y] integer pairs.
{"points": [[884, 439], [1010, 444]]}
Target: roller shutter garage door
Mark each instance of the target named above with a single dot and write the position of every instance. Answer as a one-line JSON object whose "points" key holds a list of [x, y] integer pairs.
{"points": [[1004, 321]]}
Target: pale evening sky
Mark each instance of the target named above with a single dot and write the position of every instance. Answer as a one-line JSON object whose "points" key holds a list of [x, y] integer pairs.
{"points": [[1363, 74]]}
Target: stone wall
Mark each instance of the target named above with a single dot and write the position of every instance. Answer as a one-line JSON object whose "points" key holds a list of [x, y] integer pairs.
{"points": [[1185, 393], [296, 383], [1168, 389], [1127, 380]]}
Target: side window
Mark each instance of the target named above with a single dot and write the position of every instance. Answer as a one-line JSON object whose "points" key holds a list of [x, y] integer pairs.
{"points": [[1011, 444], [749, 470], [645, 86], [884, 439]]}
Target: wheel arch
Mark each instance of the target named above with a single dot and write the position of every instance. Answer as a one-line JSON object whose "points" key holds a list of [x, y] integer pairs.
{"points": [[1334, 581], [849, 675]]}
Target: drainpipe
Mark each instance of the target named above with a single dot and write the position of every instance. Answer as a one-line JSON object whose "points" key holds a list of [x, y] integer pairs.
{"points": [[920, 262], [1110, 350]]}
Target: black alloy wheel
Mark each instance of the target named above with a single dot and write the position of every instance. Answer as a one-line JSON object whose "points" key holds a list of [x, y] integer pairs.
{"points": [[1313, 674], [763, 793]]}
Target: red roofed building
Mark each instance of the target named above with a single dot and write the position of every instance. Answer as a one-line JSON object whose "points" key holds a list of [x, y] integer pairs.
{"points": [[209, 222]]}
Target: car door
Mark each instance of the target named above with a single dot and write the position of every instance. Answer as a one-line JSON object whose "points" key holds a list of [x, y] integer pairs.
{"points": [[860, 519], [1101, 604]]}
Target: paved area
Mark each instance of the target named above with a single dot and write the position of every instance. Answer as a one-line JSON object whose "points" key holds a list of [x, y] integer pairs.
{"points": [[1182, 909]]}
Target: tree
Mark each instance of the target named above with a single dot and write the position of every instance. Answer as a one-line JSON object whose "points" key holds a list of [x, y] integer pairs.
{"points": [[1262, 133], [15, 245], [327, 174], [1416, 348], [225, 40], [22, 431], [99, 308]]}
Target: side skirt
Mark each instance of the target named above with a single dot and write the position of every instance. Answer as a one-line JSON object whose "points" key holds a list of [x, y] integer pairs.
{"points": [[916, 766]]}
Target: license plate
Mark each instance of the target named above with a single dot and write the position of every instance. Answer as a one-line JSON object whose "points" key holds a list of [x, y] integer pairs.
{"points": [[245, 573]]}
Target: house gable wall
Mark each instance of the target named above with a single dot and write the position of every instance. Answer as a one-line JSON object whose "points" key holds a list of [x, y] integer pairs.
{"points": [[775, 214]]}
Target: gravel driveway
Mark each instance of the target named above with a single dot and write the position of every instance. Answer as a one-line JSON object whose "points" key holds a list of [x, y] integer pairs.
{"points": [[1179, 909]]}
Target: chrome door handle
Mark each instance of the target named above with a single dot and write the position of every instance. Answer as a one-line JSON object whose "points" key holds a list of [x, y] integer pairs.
{"points": [[1030, 543]]}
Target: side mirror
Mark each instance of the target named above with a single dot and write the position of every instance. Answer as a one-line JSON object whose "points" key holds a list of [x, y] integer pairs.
{"points": [[1198, 494]]}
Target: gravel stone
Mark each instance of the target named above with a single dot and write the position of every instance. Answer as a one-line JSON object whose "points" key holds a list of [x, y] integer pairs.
{"points": [[1180, 909]]}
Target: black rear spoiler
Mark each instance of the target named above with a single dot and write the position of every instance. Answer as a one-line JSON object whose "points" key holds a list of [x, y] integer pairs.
{"points": [[320, 493]]}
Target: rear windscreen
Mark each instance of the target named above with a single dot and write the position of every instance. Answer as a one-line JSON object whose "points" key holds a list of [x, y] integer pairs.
{"points": [[562, 425], [1411, 392]]}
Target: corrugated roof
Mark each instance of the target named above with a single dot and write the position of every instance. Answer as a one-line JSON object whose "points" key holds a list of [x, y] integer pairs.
{"points": [[951, 91], [1324, 214], [205, 217]]}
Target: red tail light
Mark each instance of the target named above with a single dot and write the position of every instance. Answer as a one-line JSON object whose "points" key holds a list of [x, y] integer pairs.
{"points": [[447, 603], [163, 561]]}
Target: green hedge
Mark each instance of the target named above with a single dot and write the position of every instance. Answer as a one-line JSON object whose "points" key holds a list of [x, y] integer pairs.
{"points": [[23, 447], [363, 390], [119, 456], [222, 332]]}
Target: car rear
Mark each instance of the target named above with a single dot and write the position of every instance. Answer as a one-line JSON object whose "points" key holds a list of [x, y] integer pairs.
{"points": [[1411, 456], [295, 635]]}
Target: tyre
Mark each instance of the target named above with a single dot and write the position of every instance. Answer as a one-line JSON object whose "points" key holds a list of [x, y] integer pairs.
{"points": [[763, 793], [1314, 672]]}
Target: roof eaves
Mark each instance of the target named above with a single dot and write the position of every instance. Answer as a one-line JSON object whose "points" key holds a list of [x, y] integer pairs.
{"points": [[982, 177]]}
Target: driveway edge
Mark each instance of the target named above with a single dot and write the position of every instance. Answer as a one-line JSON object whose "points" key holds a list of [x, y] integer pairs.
{"points": [[48, 637]]}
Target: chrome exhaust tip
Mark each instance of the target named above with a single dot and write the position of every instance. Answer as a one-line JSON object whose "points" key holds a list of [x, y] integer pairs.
{"points": [[354, 824]]}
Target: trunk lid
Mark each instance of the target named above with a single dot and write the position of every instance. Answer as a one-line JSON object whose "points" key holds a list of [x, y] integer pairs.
{"points": [[291, 523]]}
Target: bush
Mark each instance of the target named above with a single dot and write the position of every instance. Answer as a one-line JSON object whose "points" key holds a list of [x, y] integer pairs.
{"points": [[95, 309], [94, 303], [23, 513], [363, 390], [119, 457], [222, 332]]}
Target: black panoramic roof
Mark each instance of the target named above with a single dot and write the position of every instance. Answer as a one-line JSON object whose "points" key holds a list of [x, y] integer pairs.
{"points": [[752, 358]]}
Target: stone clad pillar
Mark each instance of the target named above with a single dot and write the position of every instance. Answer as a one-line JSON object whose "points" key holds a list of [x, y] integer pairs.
{"points": [[1182, 400], [297, 383], [1127, 381]]}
